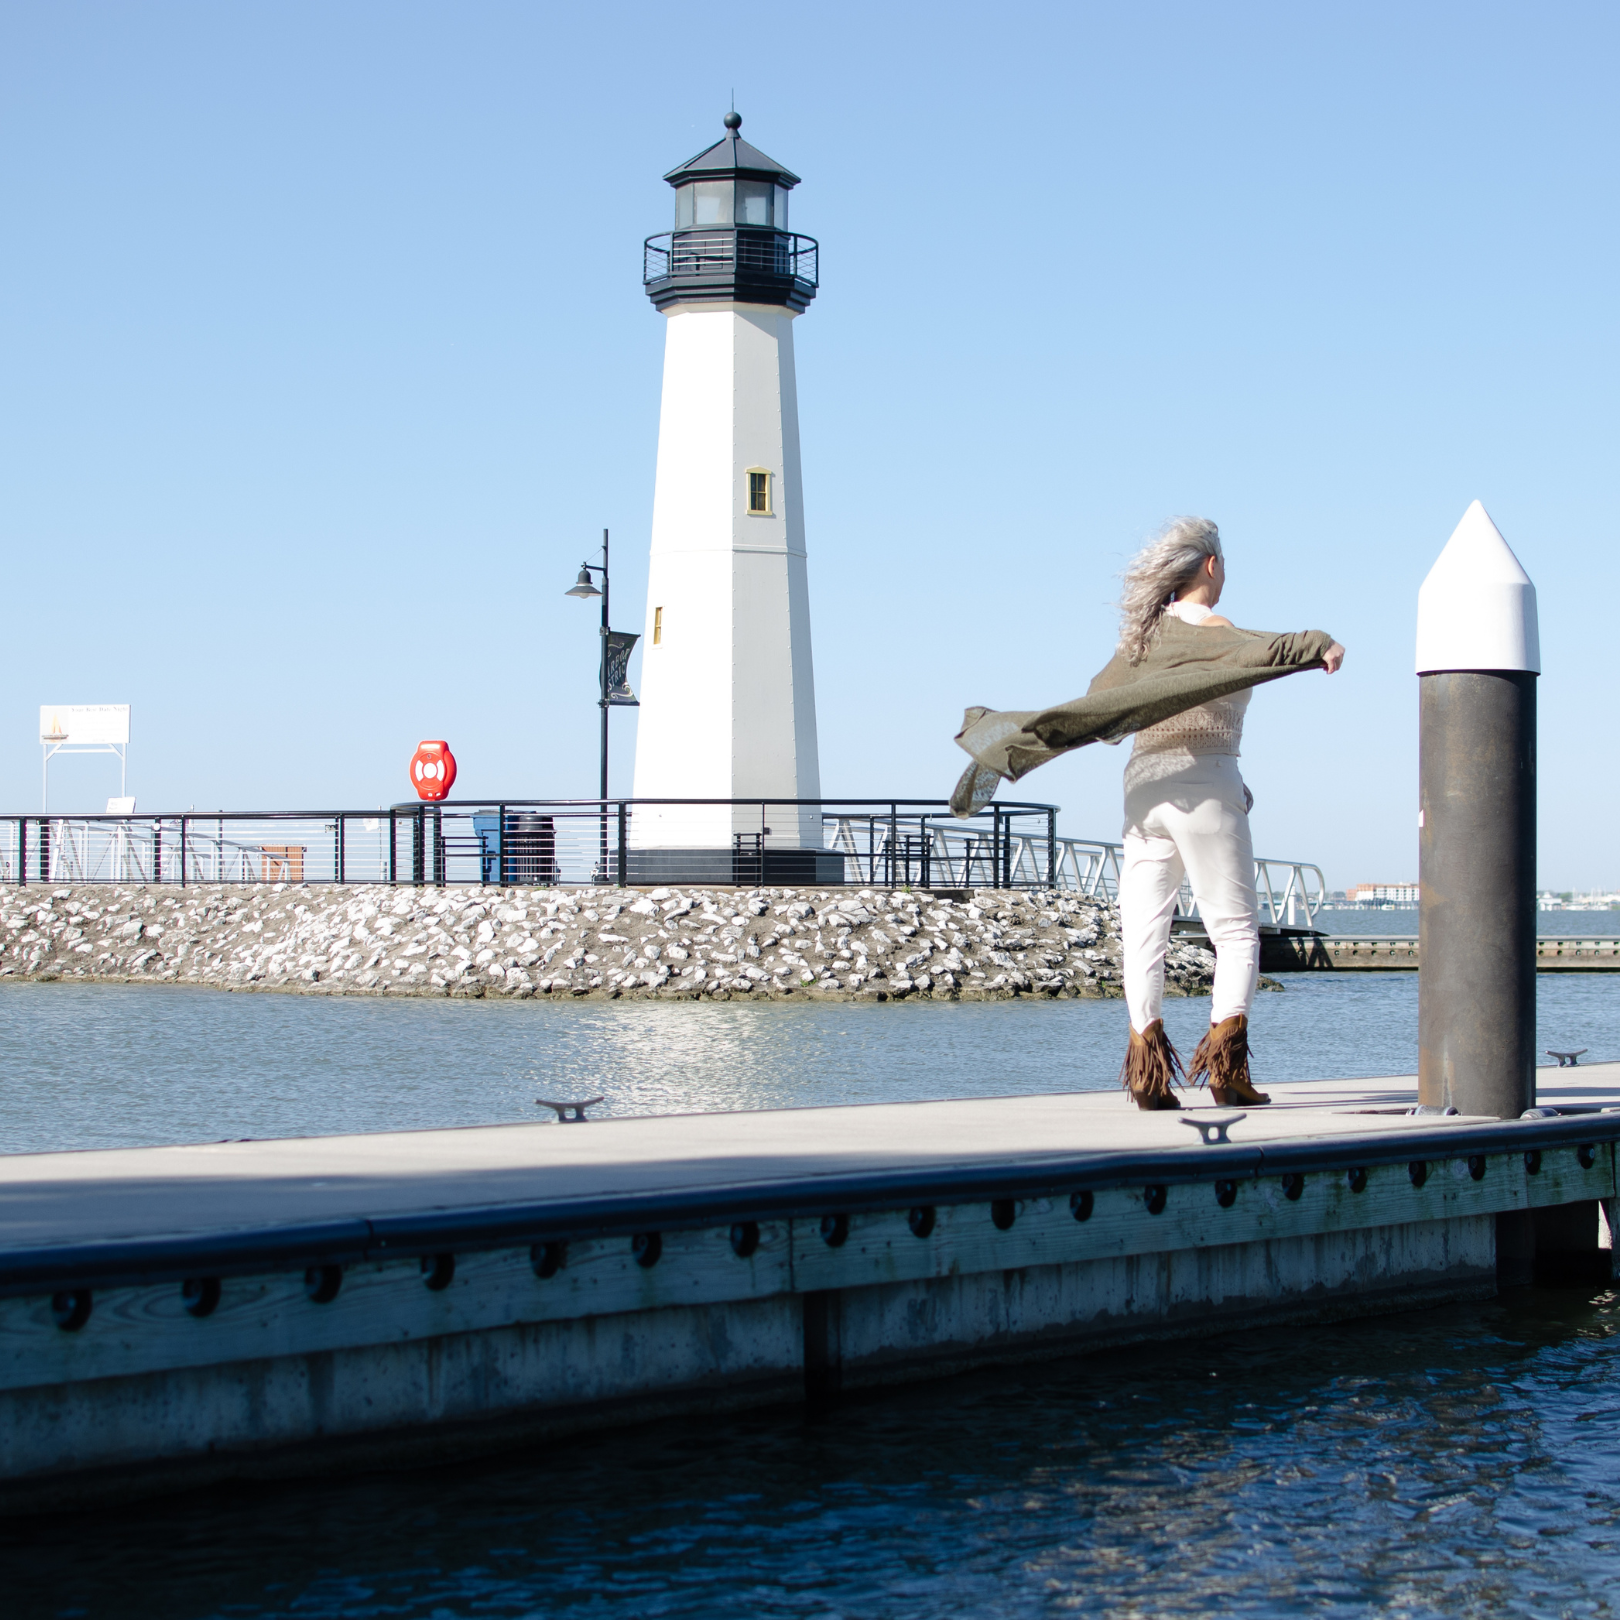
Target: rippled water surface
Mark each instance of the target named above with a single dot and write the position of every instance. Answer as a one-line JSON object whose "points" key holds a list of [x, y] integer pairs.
{"points": [[106, 1065], [1457, 1462]]}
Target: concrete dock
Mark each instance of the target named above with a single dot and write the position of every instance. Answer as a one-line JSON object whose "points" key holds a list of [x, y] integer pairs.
{"points": [[1298, 951], [169, 1316]]}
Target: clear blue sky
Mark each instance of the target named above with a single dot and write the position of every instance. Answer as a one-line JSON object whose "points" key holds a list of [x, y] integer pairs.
{"points": [[327, 360]]}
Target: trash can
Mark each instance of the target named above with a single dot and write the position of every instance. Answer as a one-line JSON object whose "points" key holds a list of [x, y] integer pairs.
{"points": [[530, 848]]}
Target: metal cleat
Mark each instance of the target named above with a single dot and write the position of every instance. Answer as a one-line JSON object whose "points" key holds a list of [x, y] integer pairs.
{"points": [[1213, 1131], [570, 1113]]}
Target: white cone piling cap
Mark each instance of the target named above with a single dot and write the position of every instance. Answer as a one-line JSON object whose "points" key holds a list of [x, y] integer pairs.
{"points": [[1477, 608]]}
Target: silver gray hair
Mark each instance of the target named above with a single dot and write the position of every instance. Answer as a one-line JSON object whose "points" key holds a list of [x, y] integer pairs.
{"points": [[1157, 574]]}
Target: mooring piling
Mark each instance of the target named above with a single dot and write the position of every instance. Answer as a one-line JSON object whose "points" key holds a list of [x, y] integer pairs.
{"points": [[1478, 656]]}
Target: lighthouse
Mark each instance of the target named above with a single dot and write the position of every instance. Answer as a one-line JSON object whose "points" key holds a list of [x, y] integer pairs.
{"points": [[728, 706]]}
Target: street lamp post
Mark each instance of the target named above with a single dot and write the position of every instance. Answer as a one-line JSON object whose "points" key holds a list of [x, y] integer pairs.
{"points": [[615, 690]]}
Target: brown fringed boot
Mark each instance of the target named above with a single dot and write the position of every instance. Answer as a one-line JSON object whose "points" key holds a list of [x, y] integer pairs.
{"points": [[1223, 1058], [1152, 1067]]}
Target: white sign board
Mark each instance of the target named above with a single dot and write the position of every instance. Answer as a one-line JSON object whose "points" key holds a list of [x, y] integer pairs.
{"points": [[96, 724]]}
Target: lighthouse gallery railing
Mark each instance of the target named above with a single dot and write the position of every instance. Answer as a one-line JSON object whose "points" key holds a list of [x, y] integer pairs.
{"points": [[697, 253]]}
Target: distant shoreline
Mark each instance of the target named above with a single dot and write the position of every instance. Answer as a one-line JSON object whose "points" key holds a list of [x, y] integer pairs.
{"points": [[1404, 920]]}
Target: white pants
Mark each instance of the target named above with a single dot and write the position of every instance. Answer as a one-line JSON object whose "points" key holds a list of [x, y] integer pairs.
{"points": [[1193, 823]]}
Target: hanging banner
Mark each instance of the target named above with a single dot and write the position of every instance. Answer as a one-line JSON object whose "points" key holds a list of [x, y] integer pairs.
{"points": [[619, 644], [84, 724]]}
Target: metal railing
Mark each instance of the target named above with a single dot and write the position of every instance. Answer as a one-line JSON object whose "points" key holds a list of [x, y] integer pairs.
{"points": [[791, 843], [725, 249], [642, 842], [1290, 892]]}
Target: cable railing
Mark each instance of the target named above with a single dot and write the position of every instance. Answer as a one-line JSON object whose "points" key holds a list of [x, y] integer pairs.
{"points": [[542, 843], [789, 843]]}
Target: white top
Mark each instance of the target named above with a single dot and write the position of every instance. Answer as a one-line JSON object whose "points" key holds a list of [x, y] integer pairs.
{"points": [[1477, 608], [1175, 744]]}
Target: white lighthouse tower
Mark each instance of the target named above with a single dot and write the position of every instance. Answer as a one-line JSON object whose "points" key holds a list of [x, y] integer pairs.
{"points": [[728, 706]]}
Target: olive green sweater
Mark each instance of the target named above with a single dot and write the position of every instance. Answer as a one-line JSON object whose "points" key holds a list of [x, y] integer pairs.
{"points": [[1184, 666]]}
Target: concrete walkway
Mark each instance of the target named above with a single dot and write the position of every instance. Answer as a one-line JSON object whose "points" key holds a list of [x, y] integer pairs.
{"points": [[218, 1188]]}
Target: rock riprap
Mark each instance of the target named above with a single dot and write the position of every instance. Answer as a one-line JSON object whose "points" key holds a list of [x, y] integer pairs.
{"points": [[665, 943]]}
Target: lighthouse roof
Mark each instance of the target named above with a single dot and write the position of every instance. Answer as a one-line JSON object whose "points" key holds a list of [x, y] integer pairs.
{"points": [[732, 155]]}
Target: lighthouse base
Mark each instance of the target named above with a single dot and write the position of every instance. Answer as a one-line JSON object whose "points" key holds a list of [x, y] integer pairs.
{"points": [[746, 863]]}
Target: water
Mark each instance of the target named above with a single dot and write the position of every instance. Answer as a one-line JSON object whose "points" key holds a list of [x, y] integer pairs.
{"points": [[1460, 1462], [110, 1065]]}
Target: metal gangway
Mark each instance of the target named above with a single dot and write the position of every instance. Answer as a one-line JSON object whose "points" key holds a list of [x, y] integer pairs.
{"points": [[967, 856]]}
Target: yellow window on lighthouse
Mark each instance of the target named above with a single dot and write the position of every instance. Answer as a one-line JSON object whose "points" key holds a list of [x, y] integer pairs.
{"points": [[759, 492], [658, 626]]}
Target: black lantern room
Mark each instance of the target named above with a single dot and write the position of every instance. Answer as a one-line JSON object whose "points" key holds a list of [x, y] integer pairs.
{"points": [[731, 243]]}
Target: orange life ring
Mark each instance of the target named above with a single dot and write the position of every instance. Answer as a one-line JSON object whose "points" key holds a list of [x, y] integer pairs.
{"points": [[433, 770]]}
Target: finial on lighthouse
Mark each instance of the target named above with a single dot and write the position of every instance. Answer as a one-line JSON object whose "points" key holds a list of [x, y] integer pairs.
{"points": [[733, 120]]}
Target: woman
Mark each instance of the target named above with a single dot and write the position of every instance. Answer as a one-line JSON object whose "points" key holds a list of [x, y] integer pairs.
{"points": [[1179, 682], [1187, 815]]}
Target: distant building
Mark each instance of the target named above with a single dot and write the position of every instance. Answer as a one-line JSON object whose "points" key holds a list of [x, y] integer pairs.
{"points": [[1381, 894]]}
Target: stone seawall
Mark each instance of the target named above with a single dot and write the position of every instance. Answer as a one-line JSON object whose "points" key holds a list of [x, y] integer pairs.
{"points": [[666, 943]]}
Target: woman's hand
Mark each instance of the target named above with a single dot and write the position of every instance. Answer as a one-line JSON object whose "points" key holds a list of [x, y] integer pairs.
{"points": [[1332, 658]]}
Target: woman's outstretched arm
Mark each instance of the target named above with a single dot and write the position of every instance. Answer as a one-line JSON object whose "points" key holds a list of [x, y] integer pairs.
{"points": [[1331, 659]]}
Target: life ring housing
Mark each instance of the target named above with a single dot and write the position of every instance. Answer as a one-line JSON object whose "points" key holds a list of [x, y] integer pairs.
{"points": [[433, 770]]}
